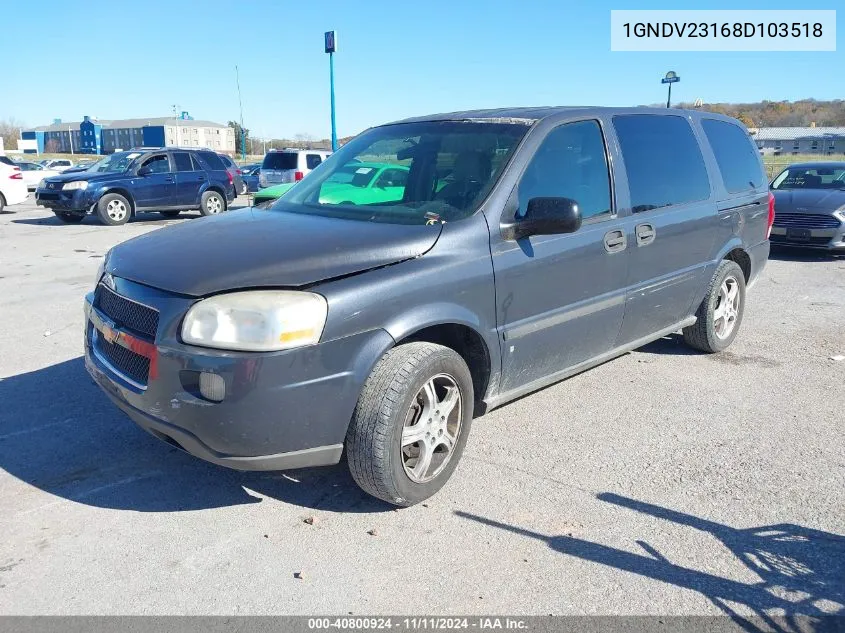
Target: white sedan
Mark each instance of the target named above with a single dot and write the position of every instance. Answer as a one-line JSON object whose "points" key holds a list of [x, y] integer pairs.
{"points": [[33, 173], [12, 189]]}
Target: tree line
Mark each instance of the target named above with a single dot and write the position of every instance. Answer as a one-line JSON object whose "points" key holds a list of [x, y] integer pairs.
{"points": [[781, 113]]}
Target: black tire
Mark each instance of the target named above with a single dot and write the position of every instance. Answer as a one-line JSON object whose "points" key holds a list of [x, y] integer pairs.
{"points": [[208, 206], [244, 189], [68, 217], [374, 440], [171, 214], [2, 203], [114, 210], [703, 335]]}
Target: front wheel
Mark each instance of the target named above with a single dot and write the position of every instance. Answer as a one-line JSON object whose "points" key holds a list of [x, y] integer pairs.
{"points": [[113, 209], [720, 314], [70, 218], [411, 423], [212, 203]]}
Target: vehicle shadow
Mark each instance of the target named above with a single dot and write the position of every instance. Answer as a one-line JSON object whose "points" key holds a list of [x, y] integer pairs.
{"points": [[672, 344], [59, 433], [801, 570], [146, 218]]}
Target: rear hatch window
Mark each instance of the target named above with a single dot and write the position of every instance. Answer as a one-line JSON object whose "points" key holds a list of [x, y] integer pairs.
{"points": [[212, 160], [280, 160]]}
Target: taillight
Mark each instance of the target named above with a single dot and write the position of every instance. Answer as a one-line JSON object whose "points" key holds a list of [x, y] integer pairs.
{"points": [[231, 180], [771, 214], [298, 176], [16, 175]]}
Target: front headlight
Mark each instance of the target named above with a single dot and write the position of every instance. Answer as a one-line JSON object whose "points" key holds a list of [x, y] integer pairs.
{"points": [[102, 267], [256, 320], [76, 184], [42, 183]]}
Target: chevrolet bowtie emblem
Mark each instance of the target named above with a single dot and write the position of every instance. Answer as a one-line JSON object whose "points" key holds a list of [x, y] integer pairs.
{"points": [[110, 334]]}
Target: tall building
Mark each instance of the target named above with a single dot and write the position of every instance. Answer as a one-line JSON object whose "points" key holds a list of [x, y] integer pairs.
{"points": [[98, 136]]}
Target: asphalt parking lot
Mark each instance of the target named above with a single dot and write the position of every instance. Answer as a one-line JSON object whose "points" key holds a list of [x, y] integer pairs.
{"points": [[663, 482]]}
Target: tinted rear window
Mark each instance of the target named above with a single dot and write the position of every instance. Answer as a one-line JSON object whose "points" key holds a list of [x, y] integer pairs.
{"points": [[212, 160], [226, 160], [183, 161], [280, 160], [735, 155], [663, 161]]}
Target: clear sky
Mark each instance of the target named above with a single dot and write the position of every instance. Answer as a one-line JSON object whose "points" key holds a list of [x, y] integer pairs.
{"points": [[120, 59]]}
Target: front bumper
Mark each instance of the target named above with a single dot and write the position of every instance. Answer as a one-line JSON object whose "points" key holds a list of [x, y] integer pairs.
{"points": [[75, 200], [281, 410], [826, 239]]}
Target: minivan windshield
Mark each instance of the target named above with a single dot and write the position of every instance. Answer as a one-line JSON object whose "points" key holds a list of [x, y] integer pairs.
{"points": [[427, 172], [117, 162], [821, 177]]}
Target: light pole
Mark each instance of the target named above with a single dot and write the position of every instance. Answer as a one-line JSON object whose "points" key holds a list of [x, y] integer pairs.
{"points": [[331, 47], [670, 78], [241, 104]]}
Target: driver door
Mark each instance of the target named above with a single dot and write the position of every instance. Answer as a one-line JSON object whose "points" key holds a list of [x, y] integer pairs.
{"points": [[157, 188]]}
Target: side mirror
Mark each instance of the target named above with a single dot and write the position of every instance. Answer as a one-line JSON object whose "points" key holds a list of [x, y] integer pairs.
{"points": [[544, 216], [145, 171]]}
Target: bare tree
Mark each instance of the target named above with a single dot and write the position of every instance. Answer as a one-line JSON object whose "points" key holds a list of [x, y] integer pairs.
{"points": [[10, 132]]}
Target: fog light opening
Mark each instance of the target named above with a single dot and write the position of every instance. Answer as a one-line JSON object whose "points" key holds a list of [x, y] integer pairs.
{"points": [[212, 387]]}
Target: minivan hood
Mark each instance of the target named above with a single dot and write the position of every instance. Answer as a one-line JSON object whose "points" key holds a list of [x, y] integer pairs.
{"points": [[809, 199], [254, 248]]}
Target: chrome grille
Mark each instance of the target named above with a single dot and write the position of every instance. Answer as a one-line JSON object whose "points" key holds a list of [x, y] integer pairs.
{"points": [[126, 313], [805, 221]]}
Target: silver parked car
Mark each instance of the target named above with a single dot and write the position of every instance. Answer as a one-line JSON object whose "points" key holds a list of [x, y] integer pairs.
{"points": [[810, 204]]}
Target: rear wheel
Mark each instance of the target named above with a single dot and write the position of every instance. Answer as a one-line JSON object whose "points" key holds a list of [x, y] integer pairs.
{"points": [[212, 203], [69, 217], [171, 214], [720, 314], [244, 189], [411, 423], [113, 209], [2, 202]]}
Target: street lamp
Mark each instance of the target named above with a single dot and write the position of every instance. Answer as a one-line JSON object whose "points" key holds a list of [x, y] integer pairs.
{"points": [[670, 78], [331, 47]]}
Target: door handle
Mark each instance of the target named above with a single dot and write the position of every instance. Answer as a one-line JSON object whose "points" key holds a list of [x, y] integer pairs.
{"points": [[168, 179], [615, 241], [645, 234]]}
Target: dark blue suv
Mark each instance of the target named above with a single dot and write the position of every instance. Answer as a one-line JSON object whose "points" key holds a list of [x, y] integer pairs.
{"points": [[166, 180]]}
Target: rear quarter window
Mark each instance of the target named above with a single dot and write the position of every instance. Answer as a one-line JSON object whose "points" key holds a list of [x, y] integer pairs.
{"points": [[735, 155], [663, 160], [211, 160], [280, 160]]}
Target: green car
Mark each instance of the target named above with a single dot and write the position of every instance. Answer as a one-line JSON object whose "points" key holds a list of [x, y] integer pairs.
{"points": [[355, 183]]}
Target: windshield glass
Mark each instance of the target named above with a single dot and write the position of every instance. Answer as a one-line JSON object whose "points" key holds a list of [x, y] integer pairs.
{"points": [[427, 172], [818, 177], [117, 162]]}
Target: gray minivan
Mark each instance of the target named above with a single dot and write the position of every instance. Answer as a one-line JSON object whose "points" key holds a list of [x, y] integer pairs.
{"points": [[526, 245]]}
